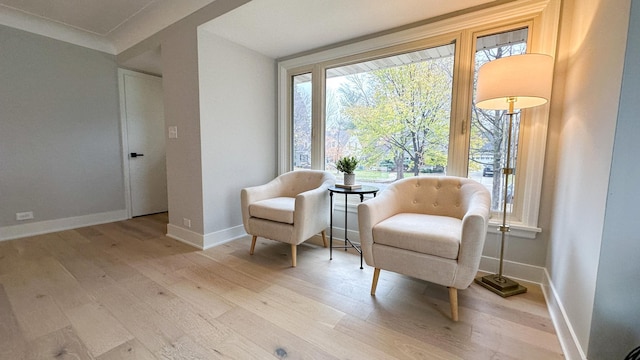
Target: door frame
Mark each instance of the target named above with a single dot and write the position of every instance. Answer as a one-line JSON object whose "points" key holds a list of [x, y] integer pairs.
{"points": [[124, 133]]}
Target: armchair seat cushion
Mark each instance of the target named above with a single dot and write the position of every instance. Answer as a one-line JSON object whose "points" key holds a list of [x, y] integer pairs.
{"points": [[427, 234], [279, 209]]}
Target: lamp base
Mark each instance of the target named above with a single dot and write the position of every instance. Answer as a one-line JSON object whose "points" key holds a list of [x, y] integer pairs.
{"points": [[501, 285]]}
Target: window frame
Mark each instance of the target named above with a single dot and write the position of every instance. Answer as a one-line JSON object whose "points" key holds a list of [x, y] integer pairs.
{"points": [[540, 16]]}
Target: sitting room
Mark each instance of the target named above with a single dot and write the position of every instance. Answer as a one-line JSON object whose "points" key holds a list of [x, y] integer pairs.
{"points": [[141, 143]]}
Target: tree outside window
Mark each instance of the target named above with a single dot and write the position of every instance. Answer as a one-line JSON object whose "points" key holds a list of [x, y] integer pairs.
{"points": [[487, 149], [391, 113]]}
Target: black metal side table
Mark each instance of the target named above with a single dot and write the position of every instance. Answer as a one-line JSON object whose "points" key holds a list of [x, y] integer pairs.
{"points": [[362, 191]]}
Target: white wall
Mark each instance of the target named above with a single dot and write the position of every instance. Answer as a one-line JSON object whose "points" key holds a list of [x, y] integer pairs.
{"points": [[237, 130], [615, 328], [60, 150], [581, 134]]}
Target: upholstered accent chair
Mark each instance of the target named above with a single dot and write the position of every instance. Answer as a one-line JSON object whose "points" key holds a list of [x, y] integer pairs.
{"points": [[291, 208], [430, 228]]}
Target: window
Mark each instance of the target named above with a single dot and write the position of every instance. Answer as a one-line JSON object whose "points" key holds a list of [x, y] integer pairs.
{"points": [[403, 104], [487, 143], [392, 113], [301, 118]]}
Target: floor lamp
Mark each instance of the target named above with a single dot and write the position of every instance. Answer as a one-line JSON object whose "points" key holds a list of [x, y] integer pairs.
{"points": [[510, 83]]}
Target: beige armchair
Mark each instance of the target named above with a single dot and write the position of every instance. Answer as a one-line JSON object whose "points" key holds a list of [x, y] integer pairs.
{"points": [[430, 228], [291, 208]]}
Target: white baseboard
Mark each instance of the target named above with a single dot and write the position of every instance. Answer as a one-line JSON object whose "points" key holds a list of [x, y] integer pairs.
{"points": [[512, 269], [207, 241], [48, 226], [223, 236], [564, 330], [185, 236]]}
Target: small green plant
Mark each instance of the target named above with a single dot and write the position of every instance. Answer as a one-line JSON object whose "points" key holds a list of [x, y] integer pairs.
{"points": [[347, 164]]}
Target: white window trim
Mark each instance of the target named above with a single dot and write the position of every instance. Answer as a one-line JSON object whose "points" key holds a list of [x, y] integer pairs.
{"points": [[544, 17]]}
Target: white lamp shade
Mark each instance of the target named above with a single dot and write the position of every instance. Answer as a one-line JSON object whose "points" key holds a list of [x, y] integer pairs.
{"points": [[525, 78]]}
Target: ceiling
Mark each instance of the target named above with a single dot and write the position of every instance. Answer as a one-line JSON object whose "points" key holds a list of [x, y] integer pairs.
{"points": [[279, 28], [276, 28], [106, 25]]}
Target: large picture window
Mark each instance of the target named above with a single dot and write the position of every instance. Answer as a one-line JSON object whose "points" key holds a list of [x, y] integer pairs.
{"points": [[403, 105], [392, 113]]}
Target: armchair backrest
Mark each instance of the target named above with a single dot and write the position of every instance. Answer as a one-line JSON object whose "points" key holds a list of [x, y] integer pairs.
{"points": [[299, 181], [435, 195]]}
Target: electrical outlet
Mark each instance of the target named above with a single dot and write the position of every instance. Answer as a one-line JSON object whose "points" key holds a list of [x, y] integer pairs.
{"points": [[173, 132], [186, 222], [27, 215]]}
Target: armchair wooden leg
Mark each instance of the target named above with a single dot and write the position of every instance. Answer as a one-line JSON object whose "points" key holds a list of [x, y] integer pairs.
{"points": [[294, 254], [253, 245], [453, 299], [376, 274], [324, 238]]}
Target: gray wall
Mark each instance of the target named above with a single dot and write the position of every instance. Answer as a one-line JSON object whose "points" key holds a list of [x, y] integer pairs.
{"points": [[584, 108], [615, 326], [60, 151], [181, 109], [185, 157], [238, 128]]}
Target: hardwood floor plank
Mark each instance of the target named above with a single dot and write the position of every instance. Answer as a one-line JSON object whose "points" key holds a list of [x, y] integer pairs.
{"points": [[60, 344], [489, 325], [9, 257], [316, 311], [147, 290], [208, 265], [187, 349], [35, 309], [164, 278], [391, 342], [64, 287], [318, 334], [88, 275], [12, 342], [201, 298], [132, 350], [210, 333], [454, 337], [110, 264], [270, 337], [515, 347], [97, 328], [138, 318]]}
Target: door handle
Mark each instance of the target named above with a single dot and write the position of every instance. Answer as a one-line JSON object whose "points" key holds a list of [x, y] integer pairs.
{"points": [[136, 155]]}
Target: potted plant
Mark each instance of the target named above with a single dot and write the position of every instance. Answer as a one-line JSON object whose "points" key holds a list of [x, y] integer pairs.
{"points": [[347, 165]]}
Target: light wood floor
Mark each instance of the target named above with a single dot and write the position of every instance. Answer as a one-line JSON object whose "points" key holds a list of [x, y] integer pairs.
{"points": [[125, 291]]}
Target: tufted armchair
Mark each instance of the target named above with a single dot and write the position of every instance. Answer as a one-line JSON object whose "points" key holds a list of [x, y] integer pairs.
{"points": [[291, 208], [430, 228]]}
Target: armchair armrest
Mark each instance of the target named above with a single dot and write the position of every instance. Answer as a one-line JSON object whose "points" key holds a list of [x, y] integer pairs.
{"points": [[311, 213], [474, 229], [252, 194], [370, 213]]}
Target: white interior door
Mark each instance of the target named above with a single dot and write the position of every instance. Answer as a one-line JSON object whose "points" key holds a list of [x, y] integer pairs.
{"points": [[143, 120]]}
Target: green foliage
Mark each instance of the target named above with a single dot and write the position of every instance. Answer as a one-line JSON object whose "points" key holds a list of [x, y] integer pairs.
{"points": [[403, 113], [347, 164]]}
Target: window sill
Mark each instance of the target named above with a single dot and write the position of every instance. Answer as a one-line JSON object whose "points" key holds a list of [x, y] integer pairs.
{"points": [[516, 229]]}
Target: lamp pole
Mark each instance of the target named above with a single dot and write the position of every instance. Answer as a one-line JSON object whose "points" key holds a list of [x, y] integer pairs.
{"points": [[497, 283]]}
